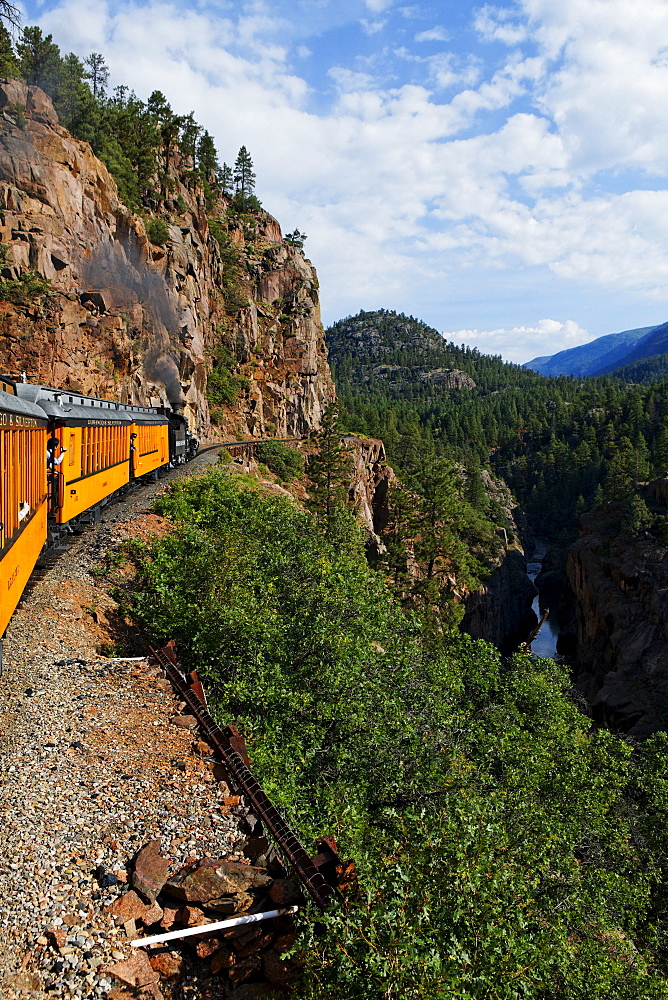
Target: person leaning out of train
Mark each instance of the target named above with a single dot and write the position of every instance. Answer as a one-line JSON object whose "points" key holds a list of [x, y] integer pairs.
{"points": [[51, 460]]}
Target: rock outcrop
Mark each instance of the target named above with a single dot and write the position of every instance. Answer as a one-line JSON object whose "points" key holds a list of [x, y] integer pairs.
{"points": [[621, 587], [500, 610], [370, 482], [126, 319]]}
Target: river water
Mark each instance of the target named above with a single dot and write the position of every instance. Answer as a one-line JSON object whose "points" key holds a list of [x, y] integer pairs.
{"points": [[545, 643]]}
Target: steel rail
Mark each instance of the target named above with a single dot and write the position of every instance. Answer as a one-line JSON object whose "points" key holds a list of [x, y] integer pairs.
{"points": [[286, 839]]}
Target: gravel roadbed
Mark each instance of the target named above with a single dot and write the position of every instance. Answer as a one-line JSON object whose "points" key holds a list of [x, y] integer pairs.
{"points": [[91, 769]]}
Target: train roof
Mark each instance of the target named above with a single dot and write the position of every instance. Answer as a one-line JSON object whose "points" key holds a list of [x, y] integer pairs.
{"points": [[18, 407], [79, 409]]}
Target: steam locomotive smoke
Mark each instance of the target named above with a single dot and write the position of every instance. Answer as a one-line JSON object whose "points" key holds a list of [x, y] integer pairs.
{"points": [[120, 266], [161, 367]]}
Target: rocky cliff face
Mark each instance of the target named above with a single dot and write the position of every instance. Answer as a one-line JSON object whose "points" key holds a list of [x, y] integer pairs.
{"points": [[370, 482], [127, 319], [621, 587], [500, 610]]}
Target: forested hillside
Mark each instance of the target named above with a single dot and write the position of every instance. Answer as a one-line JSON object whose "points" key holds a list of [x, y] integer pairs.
{"points": [[503, 849], [562, 444]]}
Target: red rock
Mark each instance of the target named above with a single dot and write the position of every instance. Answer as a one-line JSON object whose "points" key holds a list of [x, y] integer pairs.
{"points": [[39, 106], [207, 947], [153, 915], [281, 972], [248, 934], [120, 995], [211, 880], [130, 928], [57, 938], [150, 871], [202, 885], [168, 963], [224, 958], [231, 904], [151, 992], [168, 918], [191, 916], [184, 721], [127, 907], [242, 970], [134, 971], [286, 892], [285, 941], [256, 945]]}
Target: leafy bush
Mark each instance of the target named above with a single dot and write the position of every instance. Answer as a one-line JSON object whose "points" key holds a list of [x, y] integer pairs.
{"points": [[286, 462], [27, 288], [504, 850], [223, 386], [157, 231]]}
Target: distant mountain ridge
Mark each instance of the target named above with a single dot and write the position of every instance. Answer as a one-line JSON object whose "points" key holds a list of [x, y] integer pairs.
{"points": [[600, 356]]}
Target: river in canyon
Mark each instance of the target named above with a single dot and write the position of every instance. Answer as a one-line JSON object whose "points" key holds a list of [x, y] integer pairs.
{"points": [[545, 643]]}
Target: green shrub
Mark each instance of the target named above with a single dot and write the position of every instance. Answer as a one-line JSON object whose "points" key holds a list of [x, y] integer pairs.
{"points": [[27, 288], [287, 463], [223, 386], [504, 849], [157, 231]]}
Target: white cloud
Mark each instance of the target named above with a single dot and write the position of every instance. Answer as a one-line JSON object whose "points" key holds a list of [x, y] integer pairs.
{"points": [[499, 24], [436, 34], [524, 343], [403, 188], [372, 27]]}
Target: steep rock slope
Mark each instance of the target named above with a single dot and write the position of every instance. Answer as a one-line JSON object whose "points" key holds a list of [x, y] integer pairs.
{"points": [[500, 609], [620, 585], [127, 319]]}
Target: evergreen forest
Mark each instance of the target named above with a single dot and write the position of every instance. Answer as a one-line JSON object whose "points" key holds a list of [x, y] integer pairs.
{"points": [[563, 445], [504, 849], [135, 139]]}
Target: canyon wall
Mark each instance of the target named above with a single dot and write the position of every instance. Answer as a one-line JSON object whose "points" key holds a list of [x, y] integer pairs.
{"points": [[500, 610], [621, 587], [127, 319]]}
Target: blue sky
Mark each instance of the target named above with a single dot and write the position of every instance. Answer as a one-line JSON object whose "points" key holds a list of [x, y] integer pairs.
{"points": [[497, 170]]}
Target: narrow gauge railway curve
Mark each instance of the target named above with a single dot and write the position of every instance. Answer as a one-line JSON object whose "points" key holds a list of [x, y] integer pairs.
{"points": [[63, 456]]}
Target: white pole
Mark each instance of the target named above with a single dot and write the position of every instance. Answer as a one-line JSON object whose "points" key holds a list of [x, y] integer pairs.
{"points": [[221, 925]]}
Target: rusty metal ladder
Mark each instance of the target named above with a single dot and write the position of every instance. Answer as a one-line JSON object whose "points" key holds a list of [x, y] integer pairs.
{"points": [[223, 741]]}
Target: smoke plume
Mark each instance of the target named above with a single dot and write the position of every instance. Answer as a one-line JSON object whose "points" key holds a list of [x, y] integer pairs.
{"points": [[120, 267]]}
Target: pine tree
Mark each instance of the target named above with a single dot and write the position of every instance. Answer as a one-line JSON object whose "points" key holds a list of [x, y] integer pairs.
{"points": [[226, 180], [97, 73], [244, 182], [207, 156], [9, 64], [244, 178], [328, 470], [40, 61], [76, 106]]}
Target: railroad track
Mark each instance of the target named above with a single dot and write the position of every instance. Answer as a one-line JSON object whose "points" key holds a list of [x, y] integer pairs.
{"points": [[321, 875]]}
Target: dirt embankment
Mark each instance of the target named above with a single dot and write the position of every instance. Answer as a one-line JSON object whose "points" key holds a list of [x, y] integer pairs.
{"points": [[92, 768]]}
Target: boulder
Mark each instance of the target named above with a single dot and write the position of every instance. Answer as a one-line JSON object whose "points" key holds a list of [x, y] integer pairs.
{"points": [[150, 871]]}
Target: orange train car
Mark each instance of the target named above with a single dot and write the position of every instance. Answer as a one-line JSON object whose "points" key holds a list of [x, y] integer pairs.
{"points": [[101, 447], [63, 456], [23, 495]]}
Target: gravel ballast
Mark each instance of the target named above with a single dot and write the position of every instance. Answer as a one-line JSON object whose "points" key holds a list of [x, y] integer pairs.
{"points": [[91, 769]]}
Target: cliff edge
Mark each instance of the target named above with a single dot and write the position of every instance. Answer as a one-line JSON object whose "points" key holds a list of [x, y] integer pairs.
{"points": [[90, 303]]}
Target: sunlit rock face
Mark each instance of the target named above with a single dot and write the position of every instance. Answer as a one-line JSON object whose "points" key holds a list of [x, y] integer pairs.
{"points": [[126, 319]]}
